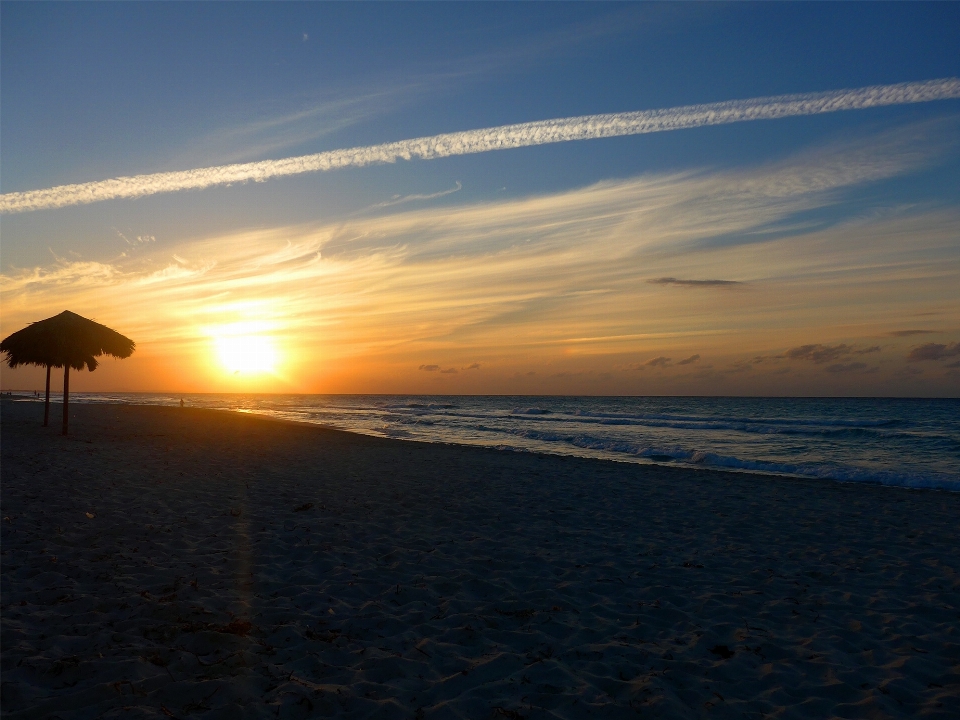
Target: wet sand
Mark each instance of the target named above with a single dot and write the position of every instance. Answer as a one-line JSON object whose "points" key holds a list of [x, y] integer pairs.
{"points": [[173, 562]]}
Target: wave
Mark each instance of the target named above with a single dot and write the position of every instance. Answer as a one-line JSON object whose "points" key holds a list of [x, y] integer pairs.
{"points": [[765, 425], [394, 432], [700, 458], [419, 406], [754, 427], [843, 473], [841, 422], [837, 428]]}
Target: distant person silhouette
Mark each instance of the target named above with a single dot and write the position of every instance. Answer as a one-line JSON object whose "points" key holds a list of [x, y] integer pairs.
{"points": [[181, 402]]}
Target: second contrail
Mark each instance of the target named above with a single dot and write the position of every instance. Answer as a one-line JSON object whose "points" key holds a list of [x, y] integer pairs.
{"points": [[542, 132]]}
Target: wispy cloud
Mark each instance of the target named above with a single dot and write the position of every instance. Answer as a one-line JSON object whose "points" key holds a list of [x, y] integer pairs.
{"points": [[137, 241], [908, 333], [401, 199], [488, 139], [853, 367], [692, 283], [243, 141], [934, 351], [818, 353]]}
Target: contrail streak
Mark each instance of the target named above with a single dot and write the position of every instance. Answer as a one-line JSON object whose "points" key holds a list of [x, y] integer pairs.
{"points": [[542, 132]]}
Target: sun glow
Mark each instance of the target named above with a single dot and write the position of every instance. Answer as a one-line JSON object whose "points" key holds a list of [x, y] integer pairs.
{"points": [[242, 352]]}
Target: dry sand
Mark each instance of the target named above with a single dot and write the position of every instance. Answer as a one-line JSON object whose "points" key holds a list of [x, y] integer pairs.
{"points": [[188, 563]]}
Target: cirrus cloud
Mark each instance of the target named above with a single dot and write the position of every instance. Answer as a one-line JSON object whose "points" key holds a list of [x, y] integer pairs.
{"points": [[692, 283], [934, 351], [819, 354]]}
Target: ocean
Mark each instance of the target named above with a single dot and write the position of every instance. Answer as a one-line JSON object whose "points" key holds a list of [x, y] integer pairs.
{"points": [[901, 442]]}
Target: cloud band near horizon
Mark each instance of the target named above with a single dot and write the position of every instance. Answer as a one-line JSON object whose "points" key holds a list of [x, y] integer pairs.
{"points": [[542, 132]]}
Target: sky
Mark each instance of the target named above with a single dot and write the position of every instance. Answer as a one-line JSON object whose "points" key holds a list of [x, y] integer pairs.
{"points": [[487, 198]]}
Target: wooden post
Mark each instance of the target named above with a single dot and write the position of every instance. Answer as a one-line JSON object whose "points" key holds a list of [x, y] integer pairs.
{"points": [[46, 403], [66, 395]]}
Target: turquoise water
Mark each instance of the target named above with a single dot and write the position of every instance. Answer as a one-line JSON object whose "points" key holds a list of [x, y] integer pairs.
{"points": [[911, 443]]}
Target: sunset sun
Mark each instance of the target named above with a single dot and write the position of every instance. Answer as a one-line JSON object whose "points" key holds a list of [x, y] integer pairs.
{"points": [[246, 353]]}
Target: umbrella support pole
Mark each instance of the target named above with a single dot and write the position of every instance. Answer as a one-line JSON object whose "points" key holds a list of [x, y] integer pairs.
{"points": [[46, 402], [66, 396]]}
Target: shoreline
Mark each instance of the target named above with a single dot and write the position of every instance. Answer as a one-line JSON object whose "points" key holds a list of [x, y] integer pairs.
{"points": [[194, 562], [854, 474]]}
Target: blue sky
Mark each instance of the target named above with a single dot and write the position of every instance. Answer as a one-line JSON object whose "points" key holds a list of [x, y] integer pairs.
{"points": [[92, 91]]}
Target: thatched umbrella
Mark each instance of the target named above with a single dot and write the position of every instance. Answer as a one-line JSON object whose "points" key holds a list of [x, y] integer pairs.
{"points": [[68, 341]]}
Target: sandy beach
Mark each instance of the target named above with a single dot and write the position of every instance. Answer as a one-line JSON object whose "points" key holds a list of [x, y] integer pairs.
{"points": [[171, 562]]}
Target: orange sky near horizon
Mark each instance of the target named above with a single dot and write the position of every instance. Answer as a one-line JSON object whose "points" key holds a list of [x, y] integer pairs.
{"points": [[615, 288]]}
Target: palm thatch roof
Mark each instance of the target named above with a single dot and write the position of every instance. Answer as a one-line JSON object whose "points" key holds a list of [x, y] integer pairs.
{"points": [[67, 340]]}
